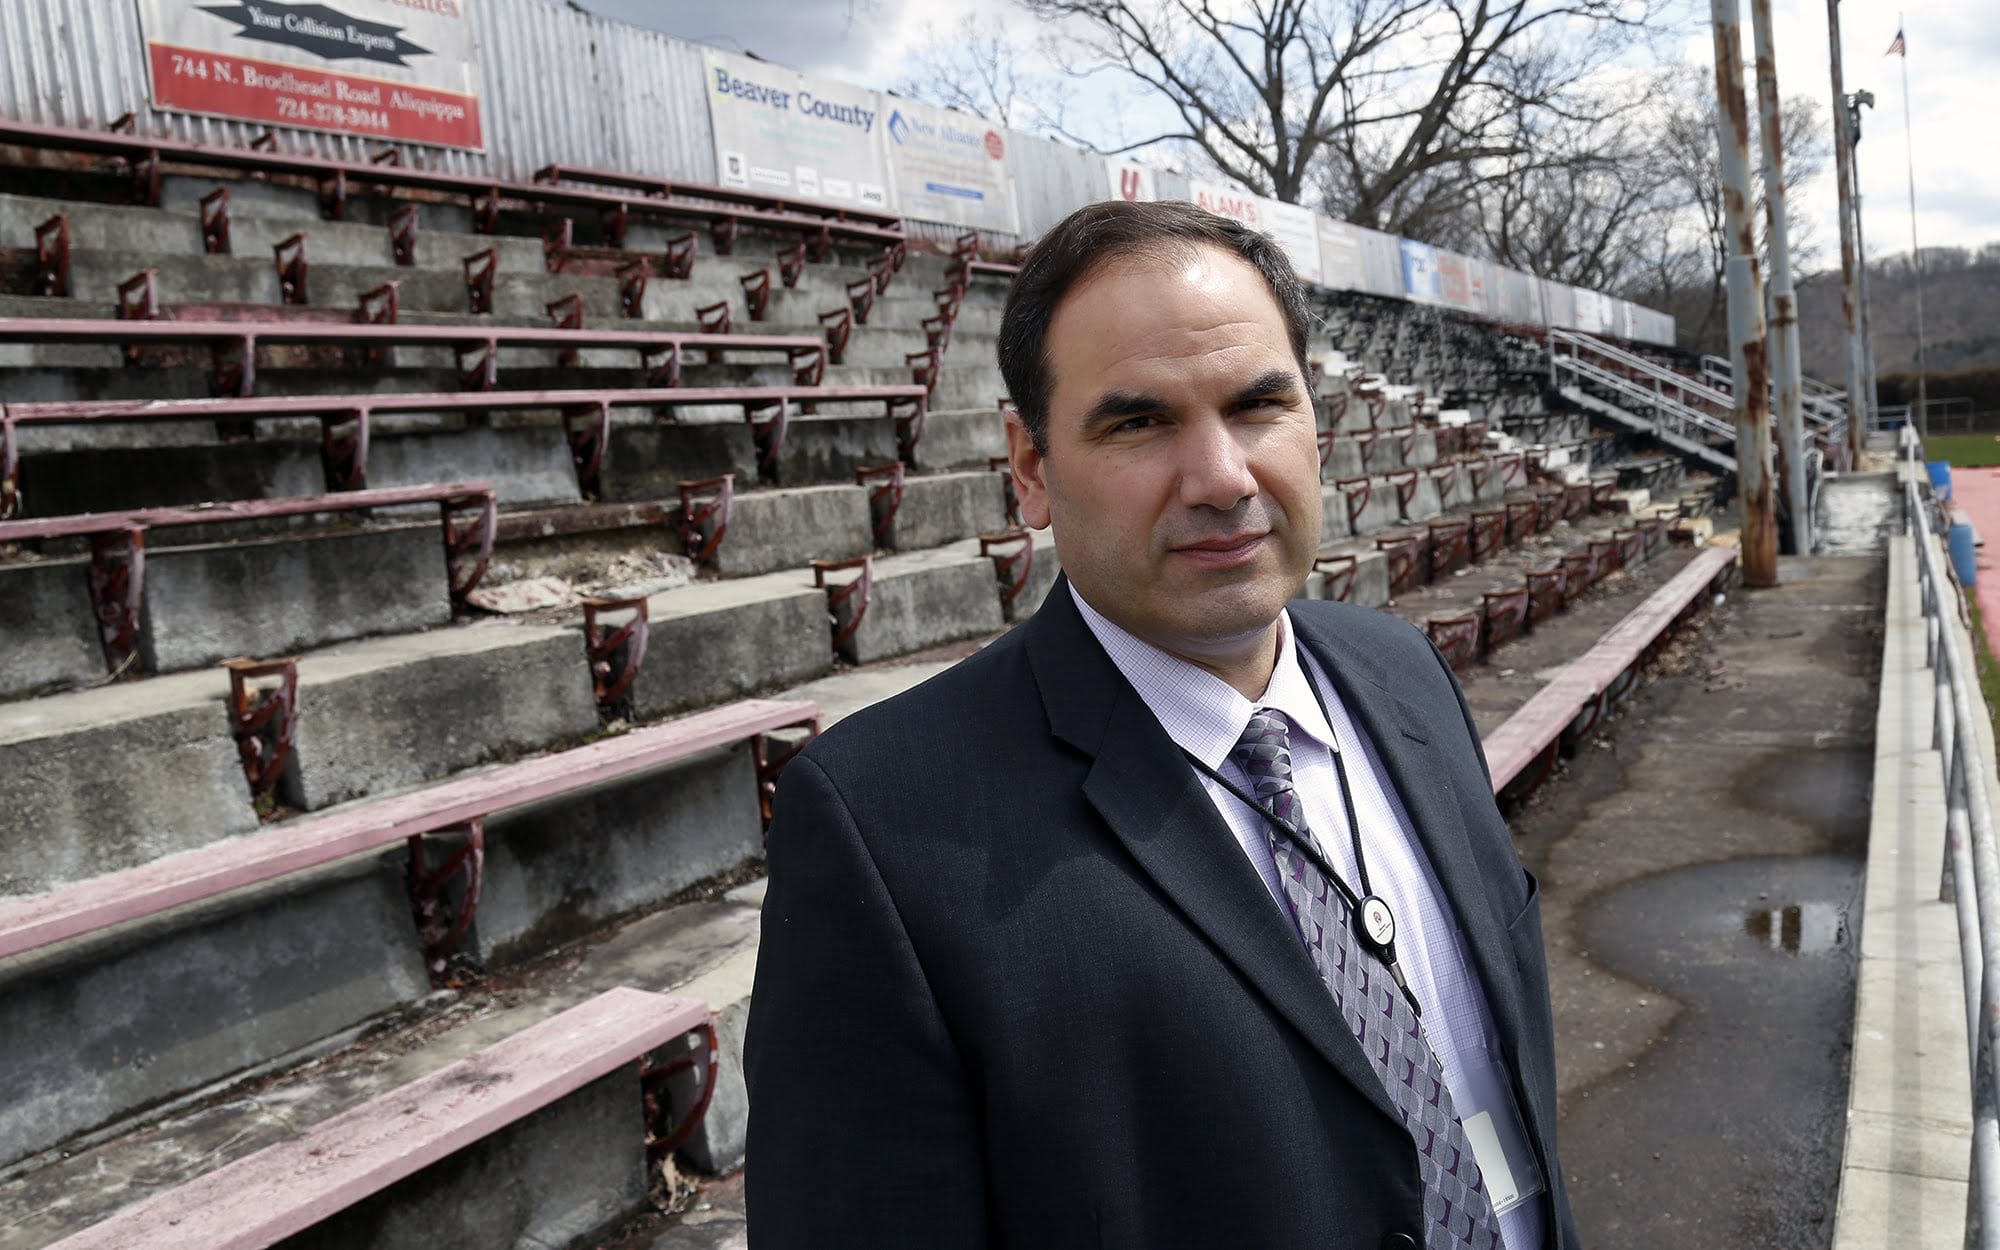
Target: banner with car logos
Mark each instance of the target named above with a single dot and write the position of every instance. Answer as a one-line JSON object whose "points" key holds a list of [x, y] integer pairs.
{"points": [[397, 70]]}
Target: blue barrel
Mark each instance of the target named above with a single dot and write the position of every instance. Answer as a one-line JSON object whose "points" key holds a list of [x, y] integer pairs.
{"points": [[1963, 562], [1940, 477]]}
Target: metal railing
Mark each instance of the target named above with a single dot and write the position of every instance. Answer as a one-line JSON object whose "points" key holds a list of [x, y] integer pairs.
{"points": [[1823, 405], [1672, 407], [1971, 856]]}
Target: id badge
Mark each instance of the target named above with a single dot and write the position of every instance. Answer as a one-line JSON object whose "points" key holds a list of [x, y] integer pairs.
{"points": [[1499, 1138]]}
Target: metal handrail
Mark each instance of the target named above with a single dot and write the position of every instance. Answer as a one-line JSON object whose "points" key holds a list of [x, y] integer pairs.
{"points": [[1670, 414], [1971, 855]]}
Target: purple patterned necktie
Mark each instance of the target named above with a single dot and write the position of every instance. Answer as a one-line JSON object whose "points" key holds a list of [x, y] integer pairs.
{"points": [[1457, 1210]]}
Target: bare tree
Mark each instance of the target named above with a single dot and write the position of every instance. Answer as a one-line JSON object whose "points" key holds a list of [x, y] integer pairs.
{"points": [[1686, 273], [977, 67], [1376, 110]]}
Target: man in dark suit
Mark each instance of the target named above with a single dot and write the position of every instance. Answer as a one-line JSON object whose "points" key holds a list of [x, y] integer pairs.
{"points": [[1179, 917]]}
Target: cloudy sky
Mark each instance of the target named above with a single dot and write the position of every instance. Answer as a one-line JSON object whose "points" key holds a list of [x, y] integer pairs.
{"points": [[1954, 48]]}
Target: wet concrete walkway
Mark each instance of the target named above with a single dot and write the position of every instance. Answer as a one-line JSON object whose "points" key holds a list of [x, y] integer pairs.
{"points": [[1701, 868]]}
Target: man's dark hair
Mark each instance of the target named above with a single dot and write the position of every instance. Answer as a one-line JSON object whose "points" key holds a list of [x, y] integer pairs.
{"points": [[1095, 236]]}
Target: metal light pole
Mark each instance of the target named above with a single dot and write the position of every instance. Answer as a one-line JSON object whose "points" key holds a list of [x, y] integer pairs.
{"points": [[1749, 365], [1863, 99], [1859, 403], [1784, 340]]}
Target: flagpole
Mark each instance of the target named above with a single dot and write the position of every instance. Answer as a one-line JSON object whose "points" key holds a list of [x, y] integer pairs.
{"points": [[1916, 252]]}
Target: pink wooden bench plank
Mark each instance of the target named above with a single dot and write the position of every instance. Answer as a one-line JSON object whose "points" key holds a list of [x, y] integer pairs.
{"points": [[204, 872], [236, 510], [1529, 731], [538, 195], [112, 330], [77, 411], [284, 1189]]}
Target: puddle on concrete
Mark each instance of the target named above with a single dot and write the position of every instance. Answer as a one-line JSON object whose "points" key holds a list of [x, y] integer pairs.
{"points": [[1800, 929]]}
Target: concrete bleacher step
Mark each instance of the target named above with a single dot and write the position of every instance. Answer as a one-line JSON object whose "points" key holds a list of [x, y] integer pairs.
{"points": [[703, 951], [203, 966], [207, 602], [114, 776]]}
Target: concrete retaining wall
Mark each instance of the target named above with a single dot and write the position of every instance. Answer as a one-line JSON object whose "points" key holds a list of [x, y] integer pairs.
{"points": [[49, 628], [564, 1176], [556, 870], [163, 1008], [789, 528], [98, 780], [947, 507], [924, 599], [717, 641], [397, 711], [266, 598]]}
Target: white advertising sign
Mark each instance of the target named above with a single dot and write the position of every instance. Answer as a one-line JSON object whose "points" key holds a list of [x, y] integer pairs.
{"points": [[1131, 181], [1298, 233], [949, 167], [780, 132], [1340, 256], [397, 70], [1291, 226]]}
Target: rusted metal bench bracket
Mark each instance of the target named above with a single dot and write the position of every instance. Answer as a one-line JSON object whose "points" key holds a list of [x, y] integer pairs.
{"points": [[264, 721], [290, 258], [846, 605], [839, 323], [1339, 571], [885, 497], [768, 423], [632, 277], [215, 222], [791, 263], [1011, 567], [117, 578], [1457, 637], [444, 914], [861, 297], [668, 1128], [468, 540], [403, 235], [704, 515], [615, 653], [52, 256], [679, 257], [588, 430], [480, 268], [343, 449], [909, 424]]}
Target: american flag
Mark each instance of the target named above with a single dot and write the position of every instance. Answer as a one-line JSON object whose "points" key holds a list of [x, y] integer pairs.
{"points": [[1896, 48]]}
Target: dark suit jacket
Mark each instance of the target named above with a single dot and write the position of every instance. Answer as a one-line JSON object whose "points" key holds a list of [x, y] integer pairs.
{"points": [[1019, 986]]}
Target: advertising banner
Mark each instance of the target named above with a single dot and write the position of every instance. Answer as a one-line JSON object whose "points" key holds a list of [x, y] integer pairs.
{"points": [[780, 132], [948, 167], [1340, 256], [1421, 280], [400, 70], [1298, 233], [1131, 181], [1454, 285], [1291, 226]]}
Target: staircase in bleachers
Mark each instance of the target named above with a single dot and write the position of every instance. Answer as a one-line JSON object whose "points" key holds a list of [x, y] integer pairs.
{"points": [[302, 813]]}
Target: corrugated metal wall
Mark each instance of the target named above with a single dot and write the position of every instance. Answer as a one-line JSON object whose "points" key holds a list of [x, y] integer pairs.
{"points": [[561, 84]]}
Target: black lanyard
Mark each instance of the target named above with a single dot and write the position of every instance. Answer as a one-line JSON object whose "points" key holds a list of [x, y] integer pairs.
{"points": [[1374, 920]]}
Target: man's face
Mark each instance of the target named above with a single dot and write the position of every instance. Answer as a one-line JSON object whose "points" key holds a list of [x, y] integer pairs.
{"points": [[1182, 471]]}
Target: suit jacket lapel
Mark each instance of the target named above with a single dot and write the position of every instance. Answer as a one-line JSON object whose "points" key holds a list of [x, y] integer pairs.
{"points": [[1149, 796], [1404, 744]]}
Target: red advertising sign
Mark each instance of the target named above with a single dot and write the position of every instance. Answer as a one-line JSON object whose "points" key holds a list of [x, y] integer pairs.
{"points": [[398, 70]]}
